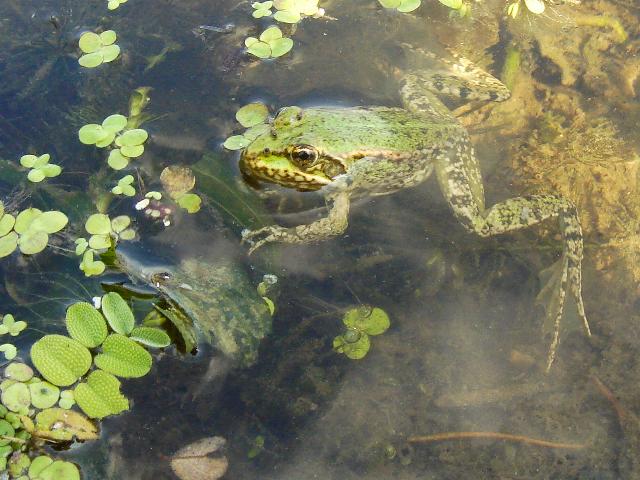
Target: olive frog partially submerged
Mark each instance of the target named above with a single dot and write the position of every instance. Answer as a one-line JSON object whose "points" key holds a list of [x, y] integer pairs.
{"points": [[346, 152]]}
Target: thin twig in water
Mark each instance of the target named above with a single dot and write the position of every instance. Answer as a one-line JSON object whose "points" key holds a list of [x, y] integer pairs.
{"points": [[438, 437]]}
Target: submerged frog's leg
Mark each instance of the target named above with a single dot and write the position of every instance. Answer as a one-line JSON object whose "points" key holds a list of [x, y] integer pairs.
{"points": [[457, 77], [334, 223], [455, 165]]}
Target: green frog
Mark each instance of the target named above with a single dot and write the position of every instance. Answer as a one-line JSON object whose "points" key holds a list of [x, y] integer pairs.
{"points": [[347, 152]]}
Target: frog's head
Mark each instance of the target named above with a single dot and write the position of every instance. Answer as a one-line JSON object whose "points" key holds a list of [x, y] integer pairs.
{"points": [[295, 152]]}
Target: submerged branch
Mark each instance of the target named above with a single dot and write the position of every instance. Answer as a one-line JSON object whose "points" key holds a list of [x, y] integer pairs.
{"points": [[438, 437]]}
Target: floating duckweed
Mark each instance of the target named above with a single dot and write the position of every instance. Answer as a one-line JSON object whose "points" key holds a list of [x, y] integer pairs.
{"points": [[60, 360], [66, 399], [81, 245], [292, 11], [113, 4], [355, 345], [6, 430], [10, 326], [31, 229], [57, 470], [117, 313], [124, 186], [177, 181], [19, 372], [7, 221], [261, 9], [16, 397], [252, 114], [39, 166], [100, 395], [361, 322], [91, 267], [150, 336], [43, 394], [102, 135], [406, 6], [235, 142], [98, 49], [86, 324], [190, 202], [9, 351], [271, 44], [123, 357]]}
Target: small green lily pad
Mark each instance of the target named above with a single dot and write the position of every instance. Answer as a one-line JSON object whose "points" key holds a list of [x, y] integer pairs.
{"points": [[16, 397], [355, 346], [20, 372], [43, 394], [252, 114]]}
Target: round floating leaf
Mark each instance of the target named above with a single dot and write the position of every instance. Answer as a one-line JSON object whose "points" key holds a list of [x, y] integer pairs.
{"points": [[409, 5], [110, 53], [99, 242], [9, 351], [121, 222], [108, 37], [152, 337], [16, 397], [255, 131], [250, 41], [49, 222], [128, 234], [66, 399], [98, 224], [270, 33], [51, 170], [7, 222], [535, 6], [123, 357], [6, 430], [33, 241], [261, 12], [280, 46], [100, 396], [43, 394], [36, 175], [19, 372], [91, 267], [116, 160], [90, 60], [130, 138], [59, 470], [260, 49], [177, 180], [38, 464], [391, 3], [252, 114], [372, 321], [455, 4], [132, 151], [114, 123], [287, 16], [25, 218], [86, 324], [60, 360], [8, 244], [190, 202], [236, 142], [90, 42], [117, 313], [354, 348], [106, 140], [91, 133]]}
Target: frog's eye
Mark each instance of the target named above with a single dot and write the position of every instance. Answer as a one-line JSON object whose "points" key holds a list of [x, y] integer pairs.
{"points": [[304, 155], [160, 278]]}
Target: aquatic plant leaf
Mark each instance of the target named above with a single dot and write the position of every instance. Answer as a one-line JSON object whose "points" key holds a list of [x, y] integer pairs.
{"points": [[9, 351], [33, 241], [372, 321], [6, 430], [117, 313], [535, 6], [114, 123], [49, 222], [38, 464], [51, 170], [454, 4], [190, 202], [407, 6], [66, 399], [19, 372], [60, 360], [269, 34], [86, 324], [132, 151], [354, 348], [28, 161], [100, 395], [91, 133], [98, 224], [99, 242], [59, 470], [196, 461], [255, 131], [177, 180], [251, 115], [7, 222], [134, 137], [91, 267], [261, 12], [123, 357], [121, 222], [152, 337], [128, 234], [43, 394], [117, 160], [108, 37], [64, 425], [81, 245], [391, 3], [24, 219], [91, 60], [285, 4], [36, 175], [8, 244], [106, 140], [260, 49], [109, 53], [16, 397], [287, 16], [89, 42], [280, 46], [236, 142]]}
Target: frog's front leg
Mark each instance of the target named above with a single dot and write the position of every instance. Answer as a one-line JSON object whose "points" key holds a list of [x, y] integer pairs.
{"points": [[335, 223], [457, 166]]}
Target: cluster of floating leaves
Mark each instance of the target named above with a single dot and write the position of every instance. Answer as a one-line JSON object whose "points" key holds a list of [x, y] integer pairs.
{"points": [[113, 4], [98, 48], [128, 144], [178, 181], [107, 338], [463, 9], [29, 230], [254, 118], [270, 44], [124, 187], [39, 166], [534, 6], [13, 328], [105, 233], [361, 322], [287, 11], [404, 6]]}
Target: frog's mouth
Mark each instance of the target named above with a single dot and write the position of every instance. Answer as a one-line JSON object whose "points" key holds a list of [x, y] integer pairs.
{"points": [[279, 169]]}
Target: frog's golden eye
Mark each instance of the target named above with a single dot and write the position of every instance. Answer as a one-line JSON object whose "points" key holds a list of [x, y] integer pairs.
{"points": [[304, 156]]}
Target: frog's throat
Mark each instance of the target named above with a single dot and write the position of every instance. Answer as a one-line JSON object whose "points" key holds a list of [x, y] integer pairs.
{"points": [[286, 175]]}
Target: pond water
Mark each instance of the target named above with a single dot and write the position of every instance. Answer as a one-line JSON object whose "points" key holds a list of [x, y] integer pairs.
{"points": [[457, 387]]}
